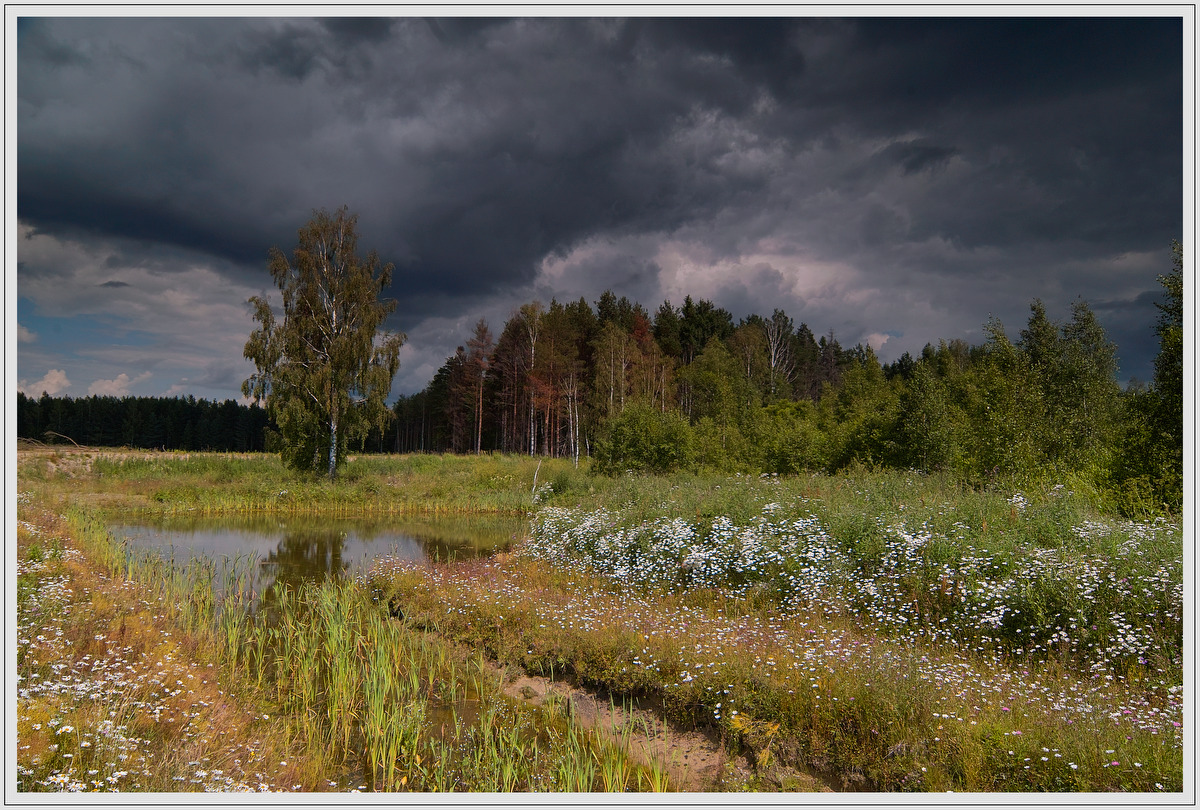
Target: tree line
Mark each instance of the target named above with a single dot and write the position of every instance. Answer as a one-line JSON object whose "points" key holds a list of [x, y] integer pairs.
{"points": [[557, 374], [683, 388], [688, 388], [176, 423]]}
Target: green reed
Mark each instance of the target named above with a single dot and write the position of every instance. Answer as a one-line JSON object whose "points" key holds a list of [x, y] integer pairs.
{"points": [[360, 688]]}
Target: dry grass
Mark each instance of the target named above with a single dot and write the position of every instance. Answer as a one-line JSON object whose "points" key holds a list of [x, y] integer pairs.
{"points": [[113, 696]]}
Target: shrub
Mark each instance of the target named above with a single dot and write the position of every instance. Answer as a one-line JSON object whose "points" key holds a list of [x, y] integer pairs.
{"points": [[790, 439], [644, 439]]}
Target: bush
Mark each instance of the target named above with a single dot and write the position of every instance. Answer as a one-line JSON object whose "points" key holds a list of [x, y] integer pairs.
{"points": [[790, 439], [644, 439]]}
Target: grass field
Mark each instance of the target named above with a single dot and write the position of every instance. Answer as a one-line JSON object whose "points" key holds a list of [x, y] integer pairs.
{"points": [[881, 630]]}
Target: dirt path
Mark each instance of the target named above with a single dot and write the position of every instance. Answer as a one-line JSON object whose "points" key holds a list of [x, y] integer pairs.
{"points": [[695, 761]]}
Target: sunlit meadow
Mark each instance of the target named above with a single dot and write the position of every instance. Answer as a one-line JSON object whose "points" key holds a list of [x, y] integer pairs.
{"points": [[981, 642], [875, 630]]}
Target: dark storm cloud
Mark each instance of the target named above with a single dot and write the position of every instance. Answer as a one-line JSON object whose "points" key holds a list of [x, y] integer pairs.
{"points": [[460, 30], [552, 134], [926, 154], [761, 50], [910, 67], [1068, 125], [293, 52], [356, 30], [77, 205], [340, 45], [915, 157], [37, 40]]}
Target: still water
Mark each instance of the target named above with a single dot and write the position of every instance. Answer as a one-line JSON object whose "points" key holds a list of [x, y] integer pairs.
{"points": [[295, 549]]}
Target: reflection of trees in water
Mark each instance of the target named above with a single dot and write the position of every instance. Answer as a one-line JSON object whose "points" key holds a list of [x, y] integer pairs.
{"points": [[316, 550], [310, 554]]}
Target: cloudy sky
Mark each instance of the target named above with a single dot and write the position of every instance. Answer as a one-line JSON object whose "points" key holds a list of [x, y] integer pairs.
{"points": [[894, 181]]}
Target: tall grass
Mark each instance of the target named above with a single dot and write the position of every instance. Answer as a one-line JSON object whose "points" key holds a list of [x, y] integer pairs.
{"points": [[209, 483], [922, 704], [361, 689], [1033, 577]]}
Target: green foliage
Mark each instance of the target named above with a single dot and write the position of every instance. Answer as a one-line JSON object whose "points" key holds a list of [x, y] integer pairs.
{"points": [[1004, 413], [1145, 473], [1047, 405], [1168, 366], [722, 446], [326, 370], [1168, 377], [1046, 409], [645, 439], [931, 422], [860, 417], [790, 439], [722, 400]]}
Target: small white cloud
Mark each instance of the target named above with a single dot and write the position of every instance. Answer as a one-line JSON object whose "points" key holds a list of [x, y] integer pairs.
{"points": [[53, 383], [24, 335], [116, 388], [178, 388], [876, 340]]}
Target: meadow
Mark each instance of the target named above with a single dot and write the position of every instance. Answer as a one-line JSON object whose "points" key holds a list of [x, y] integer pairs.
{"points": [[877, 630]]}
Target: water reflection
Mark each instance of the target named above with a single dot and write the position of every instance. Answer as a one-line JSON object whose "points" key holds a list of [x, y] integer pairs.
{"points": [[293, 550], [307, 554]]}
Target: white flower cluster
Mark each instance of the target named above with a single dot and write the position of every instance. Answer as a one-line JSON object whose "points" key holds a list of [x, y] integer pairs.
{"points": [[1107, 608], [794, 555]]}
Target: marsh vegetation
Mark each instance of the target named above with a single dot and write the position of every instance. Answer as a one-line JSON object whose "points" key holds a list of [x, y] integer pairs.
{"points": [[876, 629]]}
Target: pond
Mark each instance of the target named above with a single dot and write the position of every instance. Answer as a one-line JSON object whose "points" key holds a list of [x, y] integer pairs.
{"points": [[293, 549]]}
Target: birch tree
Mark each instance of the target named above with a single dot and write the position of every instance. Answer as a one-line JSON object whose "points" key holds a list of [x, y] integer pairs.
{"points": [[325, 371], [531, 318], [779, 332]]}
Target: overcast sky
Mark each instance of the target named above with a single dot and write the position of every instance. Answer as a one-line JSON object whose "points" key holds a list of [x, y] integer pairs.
{"points": [[894, 181]]}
